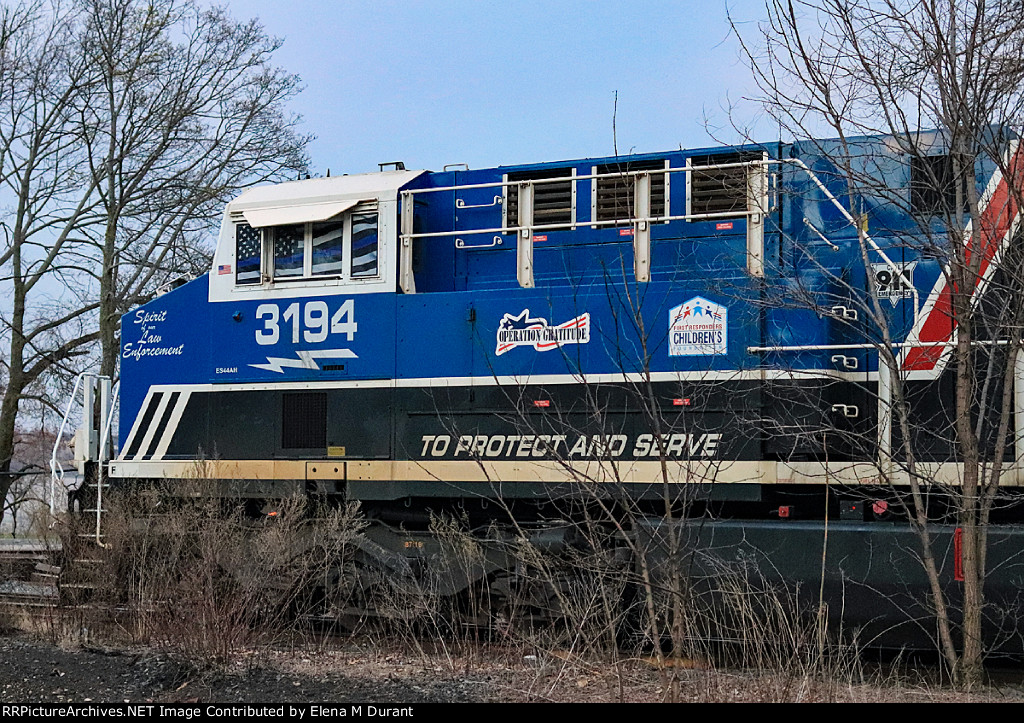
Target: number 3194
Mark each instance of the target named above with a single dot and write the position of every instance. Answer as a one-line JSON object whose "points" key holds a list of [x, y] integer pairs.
{"points": [[311, 322]]}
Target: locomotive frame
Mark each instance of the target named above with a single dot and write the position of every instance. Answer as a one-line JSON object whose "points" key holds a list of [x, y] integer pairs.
{"points": [[423, 342]]}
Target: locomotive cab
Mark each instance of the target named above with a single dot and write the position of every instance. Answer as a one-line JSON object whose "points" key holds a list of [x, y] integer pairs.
{"points": [[333, 235]]}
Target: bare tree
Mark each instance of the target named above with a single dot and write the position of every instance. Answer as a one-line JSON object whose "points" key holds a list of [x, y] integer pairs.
{"points": [[859, 68], [124, 126], [25, 499], [186, 112], [48, 200]]}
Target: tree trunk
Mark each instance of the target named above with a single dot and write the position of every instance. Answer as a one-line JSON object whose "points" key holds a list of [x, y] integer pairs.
{"points": [[15, 380], [109, 317], [968, 446]]}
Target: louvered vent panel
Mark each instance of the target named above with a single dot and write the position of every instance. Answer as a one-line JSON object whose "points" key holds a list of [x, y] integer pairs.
{"points": [[720, 190], [932, 186], [615, 193], [552, 202]]}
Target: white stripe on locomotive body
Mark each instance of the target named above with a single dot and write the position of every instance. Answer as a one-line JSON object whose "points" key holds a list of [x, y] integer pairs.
{"points": [[154, 422], [536, 380], [138, 421], [172, 424], [497, 472], [928, 307]]}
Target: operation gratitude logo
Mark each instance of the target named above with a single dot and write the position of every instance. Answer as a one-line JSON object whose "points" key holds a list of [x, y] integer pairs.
{"points": [[524, 330]]}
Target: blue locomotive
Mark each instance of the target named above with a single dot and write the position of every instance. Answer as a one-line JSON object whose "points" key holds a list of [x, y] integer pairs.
{"points": [[694, 330]]}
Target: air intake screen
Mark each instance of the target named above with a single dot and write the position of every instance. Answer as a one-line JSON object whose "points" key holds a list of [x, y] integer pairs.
{"points": [[552, 202], [720, 190], [304, 420], [615, 193]]}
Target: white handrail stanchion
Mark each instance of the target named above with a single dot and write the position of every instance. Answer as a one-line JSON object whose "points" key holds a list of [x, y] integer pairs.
{"points": [[56, 469], [104, 447]]}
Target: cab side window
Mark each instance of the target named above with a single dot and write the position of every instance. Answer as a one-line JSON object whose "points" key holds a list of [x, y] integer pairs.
{"points": [[328, 248], [364, 245], [346, 247], [289, 249], [247, 255]]}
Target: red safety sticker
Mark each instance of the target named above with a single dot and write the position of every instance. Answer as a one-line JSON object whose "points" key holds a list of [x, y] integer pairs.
{"points": [[723, 226]]}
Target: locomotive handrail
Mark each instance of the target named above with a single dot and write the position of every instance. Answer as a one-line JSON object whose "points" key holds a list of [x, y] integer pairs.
{"points": [[870, 345], [461, 203], [104, 436], [552, 226], [460, 244], [649, 218], [56, 468], [820, 235]]}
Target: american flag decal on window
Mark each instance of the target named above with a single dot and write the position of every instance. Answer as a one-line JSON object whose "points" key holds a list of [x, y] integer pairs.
{"points": [[247, 255], [223, 269]]}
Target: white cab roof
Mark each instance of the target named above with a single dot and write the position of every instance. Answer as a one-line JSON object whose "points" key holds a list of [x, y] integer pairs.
{"points": [[316, 199]]}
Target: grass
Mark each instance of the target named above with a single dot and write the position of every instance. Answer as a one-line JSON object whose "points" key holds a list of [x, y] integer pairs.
{"points": [[212, 587]]}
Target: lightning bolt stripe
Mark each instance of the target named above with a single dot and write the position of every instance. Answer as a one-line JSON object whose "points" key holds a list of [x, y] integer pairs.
{"points": [[306, 359]]}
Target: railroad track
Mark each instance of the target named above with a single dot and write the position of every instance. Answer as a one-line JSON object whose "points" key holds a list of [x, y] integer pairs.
{"points": [[28, 593], [29, 580], [40, 550]]}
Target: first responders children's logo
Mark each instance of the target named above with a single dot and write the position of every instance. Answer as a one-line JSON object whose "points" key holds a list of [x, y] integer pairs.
{"points": [[698, 327], [524, 330]]}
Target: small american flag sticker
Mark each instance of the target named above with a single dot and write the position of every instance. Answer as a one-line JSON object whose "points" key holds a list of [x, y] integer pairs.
{"points": [[223, 269]]}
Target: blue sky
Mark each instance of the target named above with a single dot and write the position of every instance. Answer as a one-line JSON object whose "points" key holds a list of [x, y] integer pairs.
{"points": [[493, 83]]}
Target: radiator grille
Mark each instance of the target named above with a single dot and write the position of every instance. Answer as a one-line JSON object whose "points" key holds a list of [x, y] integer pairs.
{"points": [[615, 193]]}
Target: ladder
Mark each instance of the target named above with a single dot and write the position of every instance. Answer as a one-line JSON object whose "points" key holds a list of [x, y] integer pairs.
{"points": [[93, 446]]}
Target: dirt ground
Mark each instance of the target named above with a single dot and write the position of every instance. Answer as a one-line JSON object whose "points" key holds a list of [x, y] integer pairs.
{"points": [[357, 672], [37, 672]]}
